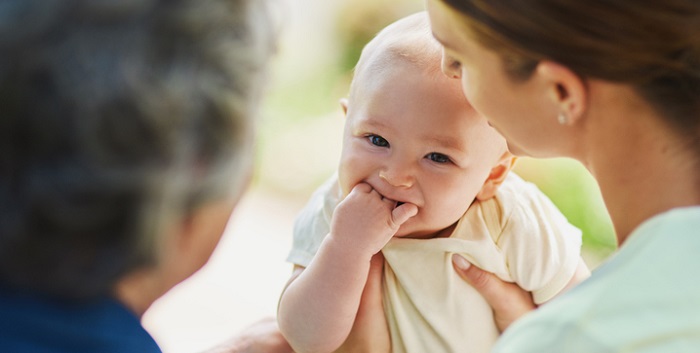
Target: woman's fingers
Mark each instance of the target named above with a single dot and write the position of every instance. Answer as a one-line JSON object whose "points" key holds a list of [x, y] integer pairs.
{"points": [[509, 302]]}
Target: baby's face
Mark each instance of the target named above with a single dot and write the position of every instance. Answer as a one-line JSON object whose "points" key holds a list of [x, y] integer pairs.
{"points": [[414, 138]]}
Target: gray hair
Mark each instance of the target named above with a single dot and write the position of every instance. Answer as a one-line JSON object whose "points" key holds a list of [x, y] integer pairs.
{"points": [[118, 117]]}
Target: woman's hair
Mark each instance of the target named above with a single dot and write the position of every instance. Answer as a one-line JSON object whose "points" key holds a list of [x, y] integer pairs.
{"points": [[117, 117], [652, 45]]}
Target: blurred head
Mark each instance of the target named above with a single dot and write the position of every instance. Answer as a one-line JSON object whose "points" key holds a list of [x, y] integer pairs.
{"points": [[123, 123], [500, 48], [411, 134]]}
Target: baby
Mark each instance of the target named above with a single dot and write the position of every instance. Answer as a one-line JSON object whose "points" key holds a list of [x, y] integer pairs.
{"points": [[422, 176]]}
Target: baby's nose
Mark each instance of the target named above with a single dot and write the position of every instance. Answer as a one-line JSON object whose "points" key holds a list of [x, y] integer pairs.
{"points": [[396, 178]]}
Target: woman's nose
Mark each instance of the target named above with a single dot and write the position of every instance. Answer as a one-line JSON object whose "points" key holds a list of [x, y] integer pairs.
{"points": [[450, 67]]}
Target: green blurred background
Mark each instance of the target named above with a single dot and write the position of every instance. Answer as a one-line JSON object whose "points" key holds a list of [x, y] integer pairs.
{"points": [[300, 131]]}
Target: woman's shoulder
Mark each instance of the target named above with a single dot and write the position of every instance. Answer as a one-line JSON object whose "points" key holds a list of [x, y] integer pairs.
{"points": [[641, 298], [34, 322]]}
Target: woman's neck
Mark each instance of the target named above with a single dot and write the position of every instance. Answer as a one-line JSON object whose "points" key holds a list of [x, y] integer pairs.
{"points": [[138, 290], [642, 167]]}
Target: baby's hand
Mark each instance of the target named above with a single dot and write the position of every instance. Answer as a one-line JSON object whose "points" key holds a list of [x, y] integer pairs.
{"points": [[366, 221]]}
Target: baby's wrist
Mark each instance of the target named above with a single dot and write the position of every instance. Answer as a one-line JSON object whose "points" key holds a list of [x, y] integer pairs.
{"points": [[347, 247]]}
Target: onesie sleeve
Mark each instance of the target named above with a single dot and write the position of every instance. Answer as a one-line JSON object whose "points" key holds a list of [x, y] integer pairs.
{"points": [[313, 223], [542, 249]]}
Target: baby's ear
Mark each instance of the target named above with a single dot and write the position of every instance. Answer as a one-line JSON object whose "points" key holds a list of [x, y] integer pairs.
{"points": [[344, 105], [496, 177]]}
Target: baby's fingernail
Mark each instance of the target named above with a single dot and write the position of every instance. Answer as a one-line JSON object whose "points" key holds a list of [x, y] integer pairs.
{"points": [[460, 262]]}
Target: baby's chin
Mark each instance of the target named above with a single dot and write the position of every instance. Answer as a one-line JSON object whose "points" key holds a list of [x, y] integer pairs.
{"points": [[413, 234], [408, 231]]}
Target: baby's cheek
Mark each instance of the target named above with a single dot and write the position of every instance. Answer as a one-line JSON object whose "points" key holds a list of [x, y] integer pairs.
{"points": [[345, 183], [348, 177]]}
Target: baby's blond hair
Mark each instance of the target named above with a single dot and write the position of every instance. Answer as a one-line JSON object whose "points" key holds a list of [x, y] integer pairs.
{"points": [[406, 41]]}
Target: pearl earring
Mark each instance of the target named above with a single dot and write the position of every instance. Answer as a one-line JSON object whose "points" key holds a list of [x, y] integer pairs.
{"points": [[562, 118]]}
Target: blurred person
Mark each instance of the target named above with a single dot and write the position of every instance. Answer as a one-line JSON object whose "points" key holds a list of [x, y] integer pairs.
{"points": [[126, 133], [421, 176], [616, 86]]}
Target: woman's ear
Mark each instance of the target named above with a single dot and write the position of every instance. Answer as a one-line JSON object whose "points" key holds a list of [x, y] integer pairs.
{"points": [[496, 177], [567, 90]]}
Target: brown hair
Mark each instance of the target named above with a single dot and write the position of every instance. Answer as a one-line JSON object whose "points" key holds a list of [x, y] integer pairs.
{"points": [[650, 44]]}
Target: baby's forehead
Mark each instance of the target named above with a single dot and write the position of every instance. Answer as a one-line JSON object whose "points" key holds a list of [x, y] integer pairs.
{"points": [[405, 45], [408, 39]]}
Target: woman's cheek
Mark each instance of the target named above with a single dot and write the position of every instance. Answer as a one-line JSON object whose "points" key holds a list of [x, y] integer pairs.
{"points": [[467, 88]]}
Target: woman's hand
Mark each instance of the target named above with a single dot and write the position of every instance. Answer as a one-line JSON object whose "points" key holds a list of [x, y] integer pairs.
{"points": [[262, 336], [370, 332], [509, 302]]}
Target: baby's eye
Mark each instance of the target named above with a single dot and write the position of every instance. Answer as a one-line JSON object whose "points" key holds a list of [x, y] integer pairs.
{"points": [[455, 65], [438, 157], [378, 141]]}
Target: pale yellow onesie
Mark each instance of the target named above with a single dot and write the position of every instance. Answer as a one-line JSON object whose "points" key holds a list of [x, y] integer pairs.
{"points": [[519, 235]]}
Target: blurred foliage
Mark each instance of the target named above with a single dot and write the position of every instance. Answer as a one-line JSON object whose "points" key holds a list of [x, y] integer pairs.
{"points": [[315, 93], [359, 21], [301, 130]]}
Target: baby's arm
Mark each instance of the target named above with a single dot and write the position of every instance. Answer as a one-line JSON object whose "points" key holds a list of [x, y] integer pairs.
{"points": [[582, 272], [370, 331], [542, 248], [318, 308]]}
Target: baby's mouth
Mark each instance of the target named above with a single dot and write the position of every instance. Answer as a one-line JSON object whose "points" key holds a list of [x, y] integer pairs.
{"points": [[398, 203]]}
